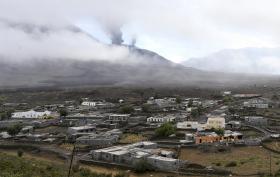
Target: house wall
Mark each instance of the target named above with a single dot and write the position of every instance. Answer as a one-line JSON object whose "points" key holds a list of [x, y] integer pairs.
{"points": [[162, 164]]}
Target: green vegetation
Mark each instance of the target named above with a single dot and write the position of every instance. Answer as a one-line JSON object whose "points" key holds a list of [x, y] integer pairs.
{"points": [[197, 112], [6, 114], [227, 100], [275, 97], [146, 108], [19, 153], [12, 166], [190, 103], [127, 109], [219, 131], [231, 110], [231, 164], [178, 100], [142, 166], [14, 130], [63, 112], [165, 130]]}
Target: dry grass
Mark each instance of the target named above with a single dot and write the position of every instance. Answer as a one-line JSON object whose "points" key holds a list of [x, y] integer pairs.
{"points": [[251, 134], [249, 160], [132, 138], [275, 145], [51, 129]]}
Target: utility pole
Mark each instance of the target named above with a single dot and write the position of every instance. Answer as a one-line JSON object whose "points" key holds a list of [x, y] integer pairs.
{"points": [[178, 160], [270, 162], [71, 161]]}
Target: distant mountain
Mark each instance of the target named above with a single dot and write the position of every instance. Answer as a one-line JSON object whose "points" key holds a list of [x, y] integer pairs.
{"points": [[148, 69], [246, 60]]}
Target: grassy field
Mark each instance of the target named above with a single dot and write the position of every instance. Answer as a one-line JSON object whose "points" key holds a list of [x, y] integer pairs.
{"points": [[13, 166], [42, 161], [251, 134], [248, 160], [132, 138], [275, 145], [271, 112]]}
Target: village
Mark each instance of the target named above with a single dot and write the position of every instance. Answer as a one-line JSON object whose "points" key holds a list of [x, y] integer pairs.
{"points": [[166, 134]]}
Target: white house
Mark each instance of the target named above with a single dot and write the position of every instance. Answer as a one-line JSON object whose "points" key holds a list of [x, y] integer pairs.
{"points": [[31, 114], [161, 119], [215, 122], [118, 118], [88, 103]]}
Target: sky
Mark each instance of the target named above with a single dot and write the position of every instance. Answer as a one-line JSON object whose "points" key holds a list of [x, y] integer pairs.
{"points": [[177, 29]]}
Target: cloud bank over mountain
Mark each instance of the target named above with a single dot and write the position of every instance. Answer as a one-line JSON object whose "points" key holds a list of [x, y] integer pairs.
{"points": [[246, 60], [177, 29]]}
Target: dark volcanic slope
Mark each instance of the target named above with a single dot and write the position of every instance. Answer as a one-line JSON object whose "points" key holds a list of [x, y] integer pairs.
{"points": [[152, 70]]}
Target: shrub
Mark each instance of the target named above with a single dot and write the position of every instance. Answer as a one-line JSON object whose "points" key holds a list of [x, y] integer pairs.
{"points": [[218, 164], [142, 166], [126, 109], [121, 174], [76, 167], [19, 153], [63, 112], [146, 108], [14, 130], [165, 130], [231, 164]]}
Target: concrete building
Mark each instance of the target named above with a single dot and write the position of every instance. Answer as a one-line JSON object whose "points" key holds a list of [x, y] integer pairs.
{"points": [[226, 93], [215, 122], [233, 125], [189, 125], [100, 140], [31, 115], [130, 155], [212, 137], [82, 129], [256, 120], [162, 102], [27, 129], [85, 116], [256, 103], [88, 103], [118, 118], [161, 119]]}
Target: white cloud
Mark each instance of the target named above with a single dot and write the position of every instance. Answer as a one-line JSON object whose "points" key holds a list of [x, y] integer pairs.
{"points": [[177, 29]]}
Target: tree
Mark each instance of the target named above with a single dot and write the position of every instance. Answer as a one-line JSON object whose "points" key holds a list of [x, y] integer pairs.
{"points": [[3, 116], [178, 100], [146, 108], [219, 131], [9, 112], [200, 110], [190, 103], [194, 113], [14, 130], [275, 97], [126, 109], [165, 130], [227, 99], [231, 110], [19, 153], [63, 112]]}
